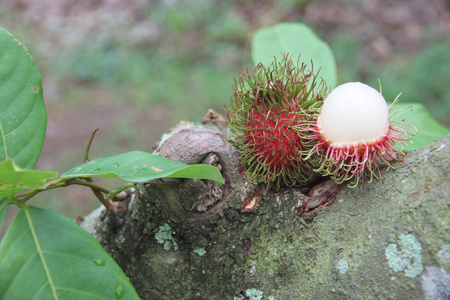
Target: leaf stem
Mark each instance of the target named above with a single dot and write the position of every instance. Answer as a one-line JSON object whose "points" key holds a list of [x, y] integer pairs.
{"points": [[96, 189], [114, 193], [88, 146], [27, 195], [90, 184]]}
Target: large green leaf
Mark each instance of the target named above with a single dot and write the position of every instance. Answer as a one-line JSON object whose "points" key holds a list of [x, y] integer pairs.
{"points": [[22, 109], [296, 39], [3, 204], [140, 166], [13, 179], [47, 256], [428, 129]]}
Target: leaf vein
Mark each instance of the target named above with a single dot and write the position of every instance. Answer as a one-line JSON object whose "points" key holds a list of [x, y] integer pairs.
{"points": [[39, 250]]}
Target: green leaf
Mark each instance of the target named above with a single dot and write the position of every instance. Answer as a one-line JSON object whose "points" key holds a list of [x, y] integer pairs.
{"points": [[13, 179], [22, 109], [295, 39], [3, 204], [140, 166], [47, 256], [428, 129]]}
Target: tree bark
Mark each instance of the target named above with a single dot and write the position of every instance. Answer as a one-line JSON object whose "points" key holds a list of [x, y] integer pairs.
{"points": [[192, 239]]}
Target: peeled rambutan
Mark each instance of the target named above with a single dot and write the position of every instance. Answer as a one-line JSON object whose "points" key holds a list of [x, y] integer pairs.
{"points": [[355, 134], [267, 106]]}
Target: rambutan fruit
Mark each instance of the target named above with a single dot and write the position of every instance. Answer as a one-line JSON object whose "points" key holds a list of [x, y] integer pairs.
{"points": [[355, 135], [267, 105]]}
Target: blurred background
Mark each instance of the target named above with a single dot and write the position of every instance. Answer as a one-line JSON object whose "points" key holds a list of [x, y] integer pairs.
{"points": [[135, 68]]}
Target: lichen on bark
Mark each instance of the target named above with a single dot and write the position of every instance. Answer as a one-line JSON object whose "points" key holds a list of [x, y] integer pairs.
{"points": [[332, 252]]}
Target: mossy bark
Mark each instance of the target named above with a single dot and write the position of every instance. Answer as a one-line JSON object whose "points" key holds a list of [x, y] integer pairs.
{"points": [[334, 252]]}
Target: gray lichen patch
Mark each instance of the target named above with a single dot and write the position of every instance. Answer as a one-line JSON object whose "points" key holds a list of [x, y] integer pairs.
{"points": [[408, 258], [164, 236], [343, 266], [436, 284], [200, 251], [444, 253]]}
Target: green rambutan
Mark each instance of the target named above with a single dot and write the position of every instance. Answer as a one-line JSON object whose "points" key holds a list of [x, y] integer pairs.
{"points": [[267, 106]]}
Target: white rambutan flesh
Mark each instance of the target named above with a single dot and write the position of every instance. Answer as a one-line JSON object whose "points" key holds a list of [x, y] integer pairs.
{"points": [[353, 113], [354, 135]]}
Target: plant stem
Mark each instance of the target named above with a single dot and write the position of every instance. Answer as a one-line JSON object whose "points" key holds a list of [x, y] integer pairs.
{"points": [[91, 184], [114, 193], [24, 196], [88, 146], [27, 195], [96, 189]]}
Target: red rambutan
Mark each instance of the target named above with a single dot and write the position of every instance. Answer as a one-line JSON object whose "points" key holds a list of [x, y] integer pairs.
{"points": [[267, 106]]}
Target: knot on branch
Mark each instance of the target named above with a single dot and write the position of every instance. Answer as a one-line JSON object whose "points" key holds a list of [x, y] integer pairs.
{"points": [[180, 199]]}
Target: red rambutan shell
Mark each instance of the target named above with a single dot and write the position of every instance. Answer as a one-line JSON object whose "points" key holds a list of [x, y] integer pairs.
{"points": [[267, 107], [272, 139], [273, 143]]}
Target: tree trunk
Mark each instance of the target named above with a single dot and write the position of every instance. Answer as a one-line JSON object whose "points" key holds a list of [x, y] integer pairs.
{"points": [[191, 239]]}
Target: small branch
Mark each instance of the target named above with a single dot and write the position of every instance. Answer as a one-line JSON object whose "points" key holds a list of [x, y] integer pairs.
{"points": [[114, 193], [97, 190], [91, 184], [88, 146], [25, 196]]}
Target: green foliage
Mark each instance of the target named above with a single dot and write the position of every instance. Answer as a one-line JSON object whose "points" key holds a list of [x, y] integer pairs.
{"points": [[100, 60], [428, 130], [13, 179], [140, 166], [156, 61], [423, 78], [23, 119], [348, 52], [167, 77], [297, 40], [54, 258], [3, 204]]}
